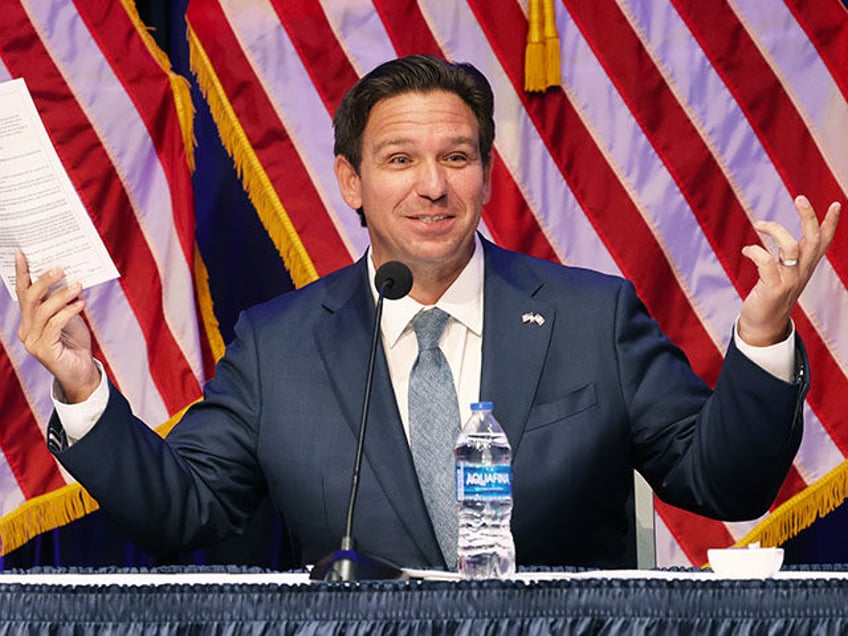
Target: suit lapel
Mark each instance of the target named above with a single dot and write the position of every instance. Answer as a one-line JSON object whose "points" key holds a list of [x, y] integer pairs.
{"points": [[344, 342], [516, 332]]}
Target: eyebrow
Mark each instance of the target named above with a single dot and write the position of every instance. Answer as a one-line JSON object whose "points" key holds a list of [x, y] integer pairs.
{"points": [[401, 141]]}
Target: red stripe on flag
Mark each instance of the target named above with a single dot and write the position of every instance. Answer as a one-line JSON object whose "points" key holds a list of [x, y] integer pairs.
{"points": [[407, 28], [101, 190], [21, 440], [276, 153]]}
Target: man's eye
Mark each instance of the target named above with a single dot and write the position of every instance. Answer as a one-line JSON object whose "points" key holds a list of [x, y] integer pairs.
{"points": [[457, 158], [399, 160]]}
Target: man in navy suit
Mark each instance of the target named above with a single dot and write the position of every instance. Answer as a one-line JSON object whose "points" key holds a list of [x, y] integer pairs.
{"points": [[584, 383]]}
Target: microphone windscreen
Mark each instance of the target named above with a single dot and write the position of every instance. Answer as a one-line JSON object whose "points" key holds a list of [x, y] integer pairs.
{"points": [[396, 277]]}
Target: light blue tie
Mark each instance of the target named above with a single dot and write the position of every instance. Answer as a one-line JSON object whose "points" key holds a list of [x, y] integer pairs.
{"points": [[434, 426]]}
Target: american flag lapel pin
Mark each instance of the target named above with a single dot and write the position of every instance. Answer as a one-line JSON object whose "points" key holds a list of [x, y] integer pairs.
{"points": [[532, 317]]}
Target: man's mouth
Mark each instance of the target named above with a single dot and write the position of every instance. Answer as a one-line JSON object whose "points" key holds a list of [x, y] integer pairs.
{"points": [[432, 219]]}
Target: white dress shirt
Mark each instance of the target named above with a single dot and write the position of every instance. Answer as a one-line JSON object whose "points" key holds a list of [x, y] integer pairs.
{"points": [[461, 343]]}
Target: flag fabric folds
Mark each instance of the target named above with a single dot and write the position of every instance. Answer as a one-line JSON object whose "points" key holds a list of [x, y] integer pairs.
{"points": [[121, 123], [672, 127]]}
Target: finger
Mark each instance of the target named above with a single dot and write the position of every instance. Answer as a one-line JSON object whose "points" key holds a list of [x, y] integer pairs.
{"points": [[787, 246], [42, 313], [58, 321], [810, 229], [764, 260], [22, 284], [57, 301], [828, 226], [40, 289], [50, 346], [22, 281]]}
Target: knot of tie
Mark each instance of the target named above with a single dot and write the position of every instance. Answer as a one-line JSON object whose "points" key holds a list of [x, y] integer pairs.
{"points": [[428, 326]]}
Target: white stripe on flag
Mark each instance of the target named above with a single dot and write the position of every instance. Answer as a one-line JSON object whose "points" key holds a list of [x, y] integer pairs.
{"points": [[360, 33]]}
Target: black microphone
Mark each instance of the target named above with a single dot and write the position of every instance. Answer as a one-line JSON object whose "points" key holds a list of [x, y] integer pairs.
{"points": [[393, 280]]}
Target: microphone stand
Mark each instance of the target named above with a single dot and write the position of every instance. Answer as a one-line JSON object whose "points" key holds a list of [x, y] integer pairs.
{"points": [[346, 564]]}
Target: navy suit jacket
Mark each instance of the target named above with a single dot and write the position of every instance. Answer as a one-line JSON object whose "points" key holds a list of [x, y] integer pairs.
{"points": [[586, 396]]}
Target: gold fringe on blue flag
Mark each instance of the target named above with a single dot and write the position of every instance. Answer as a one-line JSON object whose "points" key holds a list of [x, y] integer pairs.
{"points": [[256, 182]]}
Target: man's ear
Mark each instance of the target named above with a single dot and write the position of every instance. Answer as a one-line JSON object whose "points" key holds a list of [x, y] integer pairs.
{"points": [[349, 182], [487, 181]]}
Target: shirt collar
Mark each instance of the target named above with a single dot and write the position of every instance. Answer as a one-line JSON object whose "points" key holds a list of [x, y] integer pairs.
{"points": [[463, 300]]}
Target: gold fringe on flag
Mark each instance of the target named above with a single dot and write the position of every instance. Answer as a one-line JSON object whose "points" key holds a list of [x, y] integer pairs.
{"points": [[205, 304], [256, 182], [541, 56], [57, 508], [801, 511], [42, 514], [179, 85]]}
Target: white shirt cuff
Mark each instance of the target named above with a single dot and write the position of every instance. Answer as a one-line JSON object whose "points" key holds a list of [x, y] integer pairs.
{"points": [[78, 419], [778, 359]]}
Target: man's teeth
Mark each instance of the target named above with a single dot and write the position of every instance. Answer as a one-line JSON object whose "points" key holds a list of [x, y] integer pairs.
{"points": [[432, 219]]}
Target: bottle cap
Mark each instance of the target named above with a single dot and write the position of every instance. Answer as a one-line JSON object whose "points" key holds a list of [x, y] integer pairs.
{"points": [[482, 406]]}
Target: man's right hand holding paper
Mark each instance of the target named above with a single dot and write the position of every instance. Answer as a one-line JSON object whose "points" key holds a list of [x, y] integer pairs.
{"points": [[53, 331]]}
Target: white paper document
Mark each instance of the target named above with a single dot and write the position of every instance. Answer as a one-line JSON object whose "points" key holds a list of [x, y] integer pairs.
{"points": [[41, 213]]}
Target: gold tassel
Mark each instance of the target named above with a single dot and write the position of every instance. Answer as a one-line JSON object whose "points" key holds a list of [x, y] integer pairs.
{"points": [[256, 183], [552, 57], [534, 54], [542, 56]]}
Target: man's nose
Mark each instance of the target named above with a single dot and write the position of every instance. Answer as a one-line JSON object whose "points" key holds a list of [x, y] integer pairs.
{"points": [[432, 181]]}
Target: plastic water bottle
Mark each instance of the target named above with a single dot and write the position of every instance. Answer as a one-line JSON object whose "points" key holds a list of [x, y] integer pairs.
{"points": [[484, 497]]}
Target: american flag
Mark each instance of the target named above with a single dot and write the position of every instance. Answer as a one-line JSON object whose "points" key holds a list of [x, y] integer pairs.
{"points": [[121, 123], [674, 125]]}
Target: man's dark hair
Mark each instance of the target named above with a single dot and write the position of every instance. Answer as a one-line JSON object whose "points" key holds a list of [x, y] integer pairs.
{"points": [[412, 74]]}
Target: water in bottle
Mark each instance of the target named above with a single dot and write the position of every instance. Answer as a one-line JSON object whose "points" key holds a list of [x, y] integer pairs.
{"points": [[484, 497]]}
